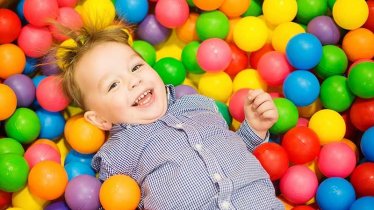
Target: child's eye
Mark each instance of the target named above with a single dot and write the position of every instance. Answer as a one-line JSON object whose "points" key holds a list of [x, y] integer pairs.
{"points": [[136, 67], [113, 85]]}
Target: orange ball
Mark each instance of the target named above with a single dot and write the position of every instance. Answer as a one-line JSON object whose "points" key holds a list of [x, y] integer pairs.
{"points": [[119, 192], [8, 101], [234, 8], [232, 22], [47, 180], [12, 60], [82, 136], [359, 44], [208, 5], [187, 31]]}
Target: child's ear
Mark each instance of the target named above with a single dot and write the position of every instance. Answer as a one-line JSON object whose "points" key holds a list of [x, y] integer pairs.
{"points": [[97, 121]]}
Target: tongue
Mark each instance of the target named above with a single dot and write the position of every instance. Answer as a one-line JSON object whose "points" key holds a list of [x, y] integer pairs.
{"points": [[145, 99]]}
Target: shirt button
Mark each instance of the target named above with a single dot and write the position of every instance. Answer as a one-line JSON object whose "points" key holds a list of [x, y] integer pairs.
{"points": [[225, 205], [217, 177], [198, 147], [179, 126]]}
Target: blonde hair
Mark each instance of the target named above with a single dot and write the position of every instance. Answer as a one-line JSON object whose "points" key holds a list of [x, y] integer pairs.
{"points": [[80, 42]]}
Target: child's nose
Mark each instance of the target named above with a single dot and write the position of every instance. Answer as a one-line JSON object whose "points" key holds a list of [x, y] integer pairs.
{"points": [[134, 82]]}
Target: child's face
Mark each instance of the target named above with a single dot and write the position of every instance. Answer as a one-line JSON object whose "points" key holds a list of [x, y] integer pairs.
{"points": [[118, 86]]}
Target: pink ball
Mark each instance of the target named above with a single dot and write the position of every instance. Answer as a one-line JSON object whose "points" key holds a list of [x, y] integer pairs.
{"points": [[236, 104], [69, 18], [67, 3], [50, 95], [274, 68], [35, 41], [40, 152], [214, 55], [302, 122], [172, 13], [336, 159], [40, 12], [299, 184]]}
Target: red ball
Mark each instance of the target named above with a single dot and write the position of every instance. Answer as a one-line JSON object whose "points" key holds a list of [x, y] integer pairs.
{"points": [[50, 95], [273, 158], [40, 12], [69, 18], [254, 57], [5, 199], [369, 24], [67, 3], [303, 208], [301, 144], [236, 104], [10, 26], [239, 61], [172, 13], [361, 113], [35, 41], [351, 130], [362, 179]]}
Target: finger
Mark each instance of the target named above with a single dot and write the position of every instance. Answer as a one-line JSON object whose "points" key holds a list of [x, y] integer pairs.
{"points": [[265, 106], [252, 94], [260, 99], [270, 114]]}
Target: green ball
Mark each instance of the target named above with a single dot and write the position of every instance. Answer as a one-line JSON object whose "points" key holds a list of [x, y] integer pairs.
{"points": [[288, 116], [361, 79], [170, 70], [189, 58], [214, 24], [190, 3], [13, 172], [335, 93], [146, 51], [224, 110], [254, 9], [23, 125], [309, 9], [331, 3], [11, 146], [333, 62]]}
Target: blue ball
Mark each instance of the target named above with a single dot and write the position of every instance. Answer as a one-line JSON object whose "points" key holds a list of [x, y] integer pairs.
{"points": [[367, 144], [20, 11], [364, 203], [75, 168], [74, 156], [52, 124], [335, 193], [58, 205], [132, 11], [301, 87], [304, 51], [30, 66]]}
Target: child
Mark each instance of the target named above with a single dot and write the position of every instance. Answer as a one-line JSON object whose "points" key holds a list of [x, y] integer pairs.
{"points": [[180, 152]]}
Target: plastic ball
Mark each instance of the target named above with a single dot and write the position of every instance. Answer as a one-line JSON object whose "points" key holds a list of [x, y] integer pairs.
{"points": [[236, 104], [177, 17], [30, 66], [5, 199], [234, 8], [298, 184], [58, 205], [301, 87], [187, 32], [301, 144], [69, 18], [41, 152], [47, 180], [273, 158], [67, 3], [249, 78], [335, 193], [216, 85], [361, 80], [367, 144], [250, 33], [52, 124], [146, 51], [49, 143], [335, 94], [333, 62], [283, 33], [274, 68], [213, 55], [325, 29], [23, 125], [182, 90], [277, 12], [10, 146], [98, 13], [369, 24], [362, 179], [189, 58], [350, 14], [213, 24], [224, 110], [254, 9], [74, 169], [82, 136], [24, 199], [133, 11], [239, 61], [152, 31], [12, 60], [23, 87], [74, 156], [254, 57], [304, 51], [360, 113], [359, 44], [309, 9], [82, 192], [14, 171], [364, 203], [8, 101], [120, 192], [288, 116], [35, 41], [39, 12], [170, 70], [10, 26], [208, 5], [50, 95]]}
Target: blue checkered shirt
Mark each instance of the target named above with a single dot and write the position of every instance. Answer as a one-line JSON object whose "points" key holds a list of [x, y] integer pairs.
{"points": [[189, 159]]}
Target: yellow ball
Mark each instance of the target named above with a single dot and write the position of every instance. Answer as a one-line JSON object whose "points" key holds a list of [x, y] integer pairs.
{"points": [[279, 11], [283, 33], [171, 48], [350, 14], [248, 78], [329, 125], [62, 50], [250, 33], [64, 149], [308, 111], [25, 200], [216, 85], [97, 14]]}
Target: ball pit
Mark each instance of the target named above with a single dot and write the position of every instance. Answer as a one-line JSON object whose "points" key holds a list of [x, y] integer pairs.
{"points": [[334, 42]]}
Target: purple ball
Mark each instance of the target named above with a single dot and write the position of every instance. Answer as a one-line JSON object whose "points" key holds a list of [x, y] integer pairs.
{"points": [[23, 87], [182, 90], [59, 205], [325, 29], [49, 66], [152, 31], [82, 192]]}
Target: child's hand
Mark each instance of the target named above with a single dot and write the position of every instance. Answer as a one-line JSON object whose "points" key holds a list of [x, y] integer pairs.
{"points": [[260, 111]]}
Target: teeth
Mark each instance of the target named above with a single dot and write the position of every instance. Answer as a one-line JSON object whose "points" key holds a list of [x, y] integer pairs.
{"points": [[141, 96]]}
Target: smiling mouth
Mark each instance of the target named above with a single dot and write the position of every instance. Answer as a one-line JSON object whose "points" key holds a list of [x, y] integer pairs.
{"points": [[144, 98]]}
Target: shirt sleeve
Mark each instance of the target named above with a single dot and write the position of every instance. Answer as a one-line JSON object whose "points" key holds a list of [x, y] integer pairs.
{"points": [[250, 138]]}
